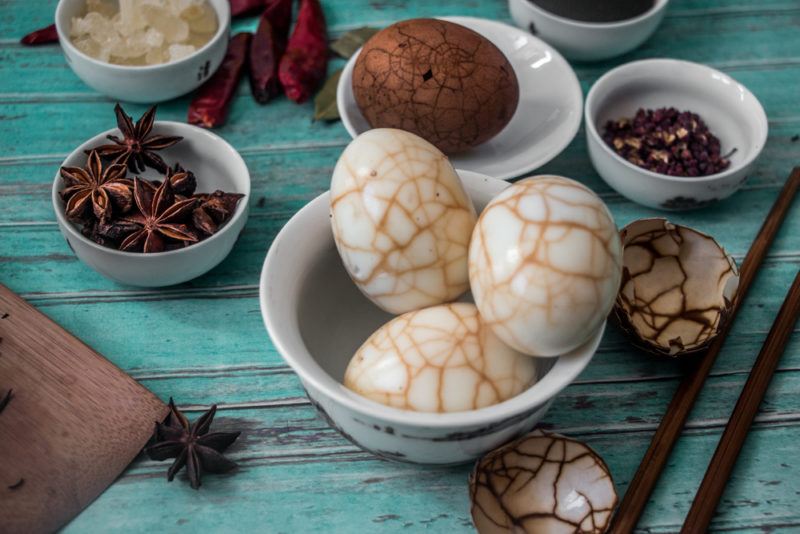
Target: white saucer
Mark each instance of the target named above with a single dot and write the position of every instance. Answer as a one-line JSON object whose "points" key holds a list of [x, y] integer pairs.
{"points": [[546, 120]]}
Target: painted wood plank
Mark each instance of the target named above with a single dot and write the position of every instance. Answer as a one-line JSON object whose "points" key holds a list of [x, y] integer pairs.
{"points": [[352, 492]]}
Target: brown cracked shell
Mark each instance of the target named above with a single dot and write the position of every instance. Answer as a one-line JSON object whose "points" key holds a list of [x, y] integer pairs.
{"points": [[542, 482], [437, 79], [678, 287]]}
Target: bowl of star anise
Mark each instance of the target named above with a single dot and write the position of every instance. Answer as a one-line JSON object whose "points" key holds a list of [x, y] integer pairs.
{"points": [[152, 203]]}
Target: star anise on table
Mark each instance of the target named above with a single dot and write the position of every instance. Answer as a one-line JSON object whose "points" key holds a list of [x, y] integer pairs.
{"points": [[191, 445], [102, 189], [160, 215], [137, 148]]}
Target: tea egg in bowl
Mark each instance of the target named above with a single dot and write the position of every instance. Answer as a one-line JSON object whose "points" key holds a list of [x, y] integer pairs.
{"points": [[401, 220], [317, 320], [545, 264]]}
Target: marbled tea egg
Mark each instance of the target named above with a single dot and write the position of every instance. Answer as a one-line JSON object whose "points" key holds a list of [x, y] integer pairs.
{"points": [[437, 79], [545, 264], [440, 359], [401, 220]]}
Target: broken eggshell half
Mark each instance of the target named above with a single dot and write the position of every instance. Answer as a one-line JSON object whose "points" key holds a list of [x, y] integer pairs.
{"points": [[542, 482], [678, 287]]}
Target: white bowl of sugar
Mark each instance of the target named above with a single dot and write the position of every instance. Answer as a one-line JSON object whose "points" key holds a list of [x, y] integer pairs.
{"points": [[141, 82]]}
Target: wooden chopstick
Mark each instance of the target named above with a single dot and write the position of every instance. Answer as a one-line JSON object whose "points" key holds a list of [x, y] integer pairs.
{"points": [[669, 430], [719, 470]]}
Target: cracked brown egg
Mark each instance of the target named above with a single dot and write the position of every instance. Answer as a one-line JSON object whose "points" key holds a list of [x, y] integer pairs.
{"points": [[401, 220], [440, 359], [678, 286], [542, 483], [437, 79], [545, 263]]}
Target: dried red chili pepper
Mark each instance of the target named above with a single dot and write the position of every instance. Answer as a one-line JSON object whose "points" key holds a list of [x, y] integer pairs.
{"points": [[209, 108], [46, 35], [305, 63], [245, 8], [269, 43]]}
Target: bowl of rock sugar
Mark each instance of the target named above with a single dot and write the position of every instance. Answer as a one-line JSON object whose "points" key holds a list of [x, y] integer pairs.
{"points": [[143, 50]]}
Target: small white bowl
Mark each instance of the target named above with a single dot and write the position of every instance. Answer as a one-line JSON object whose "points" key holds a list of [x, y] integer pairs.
{"points": [[154, 83], [587, 41], [548, 115], [731, 112], [317, 318], [217, 166]]}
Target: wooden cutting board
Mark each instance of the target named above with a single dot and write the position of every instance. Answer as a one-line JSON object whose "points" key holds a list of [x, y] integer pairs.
{"points": [[74, 422]]}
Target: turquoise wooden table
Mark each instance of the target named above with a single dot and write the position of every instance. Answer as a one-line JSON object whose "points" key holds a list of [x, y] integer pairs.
{"points": [[204, 342]]}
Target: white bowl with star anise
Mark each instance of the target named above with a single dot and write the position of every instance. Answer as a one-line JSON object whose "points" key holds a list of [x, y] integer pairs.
{"points": [[151, 203]]}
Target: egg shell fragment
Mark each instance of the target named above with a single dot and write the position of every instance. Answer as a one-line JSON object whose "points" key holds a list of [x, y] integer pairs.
{"points": [[440, 359], [401, 220], [545, 483], [678, 287], [545, 264]]}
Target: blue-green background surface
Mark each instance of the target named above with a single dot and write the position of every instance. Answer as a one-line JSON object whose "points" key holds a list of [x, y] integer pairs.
{"points": [[203, 342]]}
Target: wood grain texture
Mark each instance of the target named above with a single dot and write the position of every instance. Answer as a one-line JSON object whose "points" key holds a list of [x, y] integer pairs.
{"points": [[204, 342], [716, 478], [72, 424]]}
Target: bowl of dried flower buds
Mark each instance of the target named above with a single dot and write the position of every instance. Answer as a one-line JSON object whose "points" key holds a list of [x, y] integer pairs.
{"points": [[140, 50], [672, 134], [152, 203]]}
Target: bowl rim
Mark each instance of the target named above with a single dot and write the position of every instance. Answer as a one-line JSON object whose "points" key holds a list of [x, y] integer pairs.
{"points": [[658, 6], [71, 228], [563, 372], [222, 9], [591, 127]]}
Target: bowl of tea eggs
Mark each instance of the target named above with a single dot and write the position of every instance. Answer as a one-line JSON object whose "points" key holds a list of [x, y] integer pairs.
{"points": [[432, 314]]}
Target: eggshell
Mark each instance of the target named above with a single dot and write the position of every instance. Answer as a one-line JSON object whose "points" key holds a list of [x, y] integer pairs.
{"points": [[545, 264], [440, 359], [401, 220], [437, 79]]}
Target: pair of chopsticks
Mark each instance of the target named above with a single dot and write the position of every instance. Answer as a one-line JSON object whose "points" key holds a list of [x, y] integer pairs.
{"points": [[672, 423]]}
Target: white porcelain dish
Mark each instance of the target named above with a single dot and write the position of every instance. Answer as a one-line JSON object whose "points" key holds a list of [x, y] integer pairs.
{"points": [[731, 112], [217, 166], [547, 117], [317, 318], [587, 41], [146, 84]]}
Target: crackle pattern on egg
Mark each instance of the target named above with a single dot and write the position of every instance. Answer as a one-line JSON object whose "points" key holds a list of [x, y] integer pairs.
{"points": [[545, 264], [401, 220], [440, 359], [542, 483]]}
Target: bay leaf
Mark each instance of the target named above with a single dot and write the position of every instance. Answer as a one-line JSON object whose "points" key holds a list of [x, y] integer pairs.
{"points": [[346, 45], [325, 108]]}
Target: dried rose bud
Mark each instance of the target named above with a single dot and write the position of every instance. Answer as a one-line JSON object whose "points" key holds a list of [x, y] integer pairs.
{"points": [[649, 141]]}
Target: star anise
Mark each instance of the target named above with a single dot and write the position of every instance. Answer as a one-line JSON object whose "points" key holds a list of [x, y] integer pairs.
{"points": [[160, 216], [101, 188], [214, 210], [137, 148], [191, 445]]}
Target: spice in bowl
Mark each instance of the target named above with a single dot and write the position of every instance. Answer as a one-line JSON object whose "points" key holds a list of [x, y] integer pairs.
{"points": [[134, 214], [594, 11], [667, 141], [143, 32]]}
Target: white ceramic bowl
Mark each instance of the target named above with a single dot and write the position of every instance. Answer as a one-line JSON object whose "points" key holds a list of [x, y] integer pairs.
{"points": [[548, 115], [317, 318], [587, 41], [216, 164], [731, 112], [154, 83]]}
